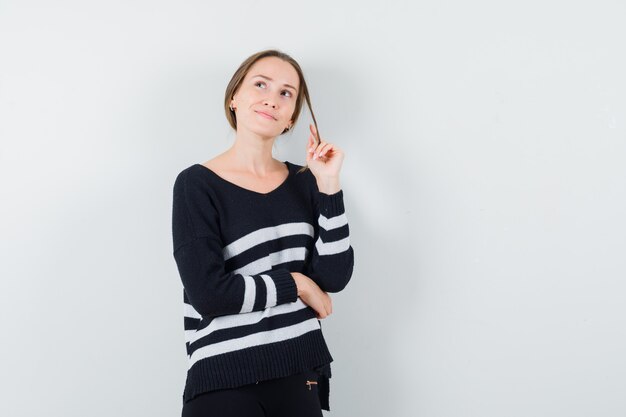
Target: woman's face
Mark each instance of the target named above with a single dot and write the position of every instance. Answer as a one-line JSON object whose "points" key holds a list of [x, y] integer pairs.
{"points": [[266, 98]]}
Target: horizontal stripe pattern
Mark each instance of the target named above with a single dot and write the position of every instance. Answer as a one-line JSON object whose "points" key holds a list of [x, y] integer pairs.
{"points": [[247, 316], [334, 236], [259, 363], [275, 258], [234, 320], [270, 336], [332, 248], [332, 222], [235, 250], [264, 264], [266, 324], [266, 234]]}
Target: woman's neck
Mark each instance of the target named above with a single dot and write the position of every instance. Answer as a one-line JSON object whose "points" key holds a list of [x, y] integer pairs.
{"points": [[252, 153]]}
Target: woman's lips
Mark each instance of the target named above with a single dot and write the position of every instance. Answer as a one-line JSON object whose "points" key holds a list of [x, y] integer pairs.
{"points": [[265, 115]]}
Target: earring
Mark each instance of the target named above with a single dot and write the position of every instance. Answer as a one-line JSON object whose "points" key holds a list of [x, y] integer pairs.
{"points": [[231, 108]]}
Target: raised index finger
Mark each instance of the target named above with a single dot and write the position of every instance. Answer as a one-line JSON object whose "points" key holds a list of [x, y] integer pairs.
{"points": [[314, 132]]}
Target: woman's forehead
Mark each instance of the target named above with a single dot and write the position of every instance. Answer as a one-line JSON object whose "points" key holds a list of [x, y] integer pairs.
{"points": [[275, 68]]}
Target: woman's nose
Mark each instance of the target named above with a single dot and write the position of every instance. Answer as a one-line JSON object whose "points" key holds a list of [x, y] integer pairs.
{"points": [[269, 102], [272, 98]]}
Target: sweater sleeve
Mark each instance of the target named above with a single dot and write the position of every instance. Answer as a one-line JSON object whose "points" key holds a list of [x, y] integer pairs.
{"points": [[333, 257], [198, 254]]}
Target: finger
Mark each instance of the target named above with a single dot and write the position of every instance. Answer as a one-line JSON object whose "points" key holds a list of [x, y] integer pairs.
{"points": [[326, 149], [310, 153], [318, 147], [314, 132], [326, 303], [320, 309], [310, 145], [321, 150], [326, 309]]}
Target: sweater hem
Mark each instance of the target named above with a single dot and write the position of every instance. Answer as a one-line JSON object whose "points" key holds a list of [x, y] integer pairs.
{"points": [[260, 363]]}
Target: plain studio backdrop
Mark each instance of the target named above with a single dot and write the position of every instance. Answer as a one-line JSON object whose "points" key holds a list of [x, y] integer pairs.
{"points": [[484, 184]]}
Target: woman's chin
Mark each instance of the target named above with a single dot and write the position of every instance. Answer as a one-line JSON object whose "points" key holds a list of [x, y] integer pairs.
{"points": [[266, 132]]}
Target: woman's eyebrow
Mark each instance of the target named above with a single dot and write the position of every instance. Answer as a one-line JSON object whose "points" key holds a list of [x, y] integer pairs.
{"points": [[269, 79]]}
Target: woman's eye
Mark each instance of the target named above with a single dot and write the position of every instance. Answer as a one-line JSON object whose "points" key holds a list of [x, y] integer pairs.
{"points": [[284, 91]]}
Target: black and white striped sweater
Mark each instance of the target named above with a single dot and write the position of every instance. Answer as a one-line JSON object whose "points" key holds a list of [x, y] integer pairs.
{"points": [[235, 249]]}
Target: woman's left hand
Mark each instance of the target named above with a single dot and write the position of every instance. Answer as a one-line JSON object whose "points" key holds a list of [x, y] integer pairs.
{"points": [[324, 161]]}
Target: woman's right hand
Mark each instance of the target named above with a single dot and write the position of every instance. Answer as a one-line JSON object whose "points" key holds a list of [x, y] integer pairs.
{"points": [[312, 295]]}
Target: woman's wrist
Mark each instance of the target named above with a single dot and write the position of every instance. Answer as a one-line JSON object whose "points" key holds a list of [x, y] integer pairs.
{"points": [[300, 286], [328, 185]]}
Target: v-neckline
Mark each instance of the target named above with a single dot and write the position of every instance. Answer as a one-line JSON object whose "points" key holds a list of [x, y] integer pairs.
{"points": [[280, 186]]}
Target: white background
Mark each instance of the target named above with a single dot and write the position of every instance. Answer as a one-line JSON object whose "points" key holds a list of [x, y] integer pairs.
{"points": [[484, 183]]}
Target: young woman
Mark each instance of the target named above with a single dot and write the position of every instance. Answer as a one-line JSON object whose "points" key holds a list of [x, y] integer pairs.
{"points": [[259, 244]]}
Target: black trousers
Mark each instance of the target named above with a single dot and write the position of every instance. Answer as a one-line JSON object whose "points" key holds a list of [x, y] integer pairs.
{"points": [[292, 396]]}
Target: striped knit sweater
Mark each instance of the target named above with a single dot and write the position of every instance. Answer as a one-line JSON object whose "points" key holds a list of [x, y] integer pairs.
{"points": [[235, 249]]}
